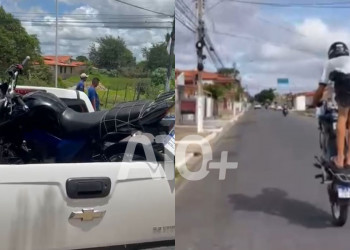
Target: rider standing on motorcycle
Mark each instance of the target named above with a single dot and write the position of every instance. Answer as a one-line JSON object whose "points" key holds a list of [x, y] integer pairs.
{"points": [[337, 72]]}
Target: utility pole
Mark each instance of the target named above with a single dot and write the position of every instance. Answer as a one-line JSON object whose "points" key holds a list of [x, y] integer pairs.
{"points": [[170, 65], [56, 45], [200, 45]]}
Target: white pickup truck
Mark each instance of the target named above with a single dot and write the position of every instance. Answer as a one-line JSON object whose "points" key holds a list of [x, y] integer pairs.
{"points": [[46, 206]]}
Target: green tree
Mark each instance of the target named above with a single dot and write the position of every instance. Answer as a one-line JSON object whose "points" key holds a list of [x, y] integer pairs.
{"points": [[41, 72], [157, 56], [265, 95], [229, 72], [16, 43], [112, 53], [81, 59], [217, 92], [158, 77]]}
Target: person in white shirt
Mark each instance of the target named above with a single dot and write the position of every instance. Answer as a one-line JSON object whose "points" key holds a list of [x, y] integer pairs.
{"points": [[337, 72]]}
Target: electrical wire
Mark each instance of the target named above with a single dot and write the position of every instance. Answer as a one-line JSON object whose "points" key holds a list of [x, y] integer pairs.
{"points": [[188, 8], [209, 42], [83, 14], [289, 5], [184, 24], [212, 59], [142, 8], [75, 22], [184, 13], [259, 40]]}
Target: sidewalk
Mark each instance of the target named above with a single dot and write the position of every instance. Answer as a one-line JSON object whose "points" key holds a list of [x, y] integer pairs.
{"points": [[213, 130], [308, 113]]}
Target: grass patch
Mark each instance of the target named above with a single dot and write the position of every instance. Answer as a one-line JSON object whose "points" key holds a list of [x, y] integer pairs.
{"points": [[116, 89], [114, 83]]}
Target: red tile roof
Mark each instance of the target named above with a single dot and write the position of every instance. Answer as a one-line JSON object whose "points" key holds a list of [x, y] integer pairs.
{"points": [[62, 61], [190, 75], [307, 94]]}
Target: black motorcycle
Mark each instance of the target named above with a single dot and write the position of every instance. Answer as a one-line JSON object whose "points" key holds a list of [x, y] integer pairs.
{"points": [[40, 128], [285, 111], [338, 181]]}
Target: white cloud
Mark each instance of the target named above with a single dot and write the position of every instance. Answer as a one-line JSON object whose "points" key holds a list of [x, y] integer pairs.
{"points": [[265, 47], [75, 40]]}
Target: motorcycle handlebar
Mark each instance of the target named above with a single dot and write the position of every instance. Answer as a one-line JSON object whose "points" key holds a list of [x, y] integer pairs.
{"points": [[25, 61], [21, 102]]}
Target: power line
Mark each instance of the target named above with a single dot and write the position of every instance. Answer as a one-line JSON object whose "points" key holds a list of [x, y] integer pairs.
{"points": [[74, 22], [101, 19], [259, 40], [184, 13], [184, 24], [142, 8], [188, 8], [83, 14], [289, 5], [215, 4], [100, 26], [212, 49], [212, 59]]}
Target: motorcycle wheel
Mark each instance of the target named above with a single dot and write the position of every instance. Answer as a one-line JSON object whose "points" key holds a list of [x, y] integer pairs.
{"points": [[339, 210], [339, 214]]}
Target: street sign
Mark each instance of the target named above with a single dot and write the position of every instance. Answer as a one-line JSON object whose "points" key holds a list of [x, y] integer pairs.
{"points": [[282, 81]]}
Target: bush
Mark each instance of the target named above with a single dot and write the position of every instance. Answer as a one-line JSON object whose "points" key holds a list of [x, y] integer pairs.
{"points": [[41, 72], [112, 73], [158, 76]]}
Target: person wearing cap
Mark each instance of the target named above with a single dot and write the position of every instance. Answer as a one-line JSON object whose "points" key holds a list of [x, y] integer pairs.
{"points": [[81, 84]]}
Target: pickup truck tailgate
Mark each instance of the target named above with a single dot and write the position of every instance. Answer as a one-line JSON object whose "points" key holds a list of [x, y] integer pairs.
{"points": [[85, 205]]}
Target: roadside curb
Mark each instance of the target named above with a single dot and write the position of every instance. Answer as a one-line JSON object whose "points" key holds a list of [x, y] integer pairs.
{"points": [[215, 137], [207, 139]]}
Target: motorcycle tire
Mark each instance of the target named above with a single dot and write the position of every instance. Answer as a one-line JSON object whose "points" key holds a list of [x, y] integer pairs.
{"points": [[339, 214]]}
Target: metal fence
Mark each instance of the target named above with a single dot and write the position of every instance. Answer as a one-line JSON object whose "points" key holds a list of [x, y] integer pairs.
{"points": [[110, 97]]}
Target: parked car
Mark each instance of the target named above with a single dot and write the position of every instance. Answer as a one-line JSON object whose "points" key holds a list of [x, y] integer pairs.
{"points": [[279, 107], [74, 99], [257, 106]]}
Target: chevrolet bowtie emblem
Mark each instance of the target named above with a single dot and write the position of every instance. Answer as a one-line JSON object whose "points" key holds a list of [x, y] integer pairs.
{"points": [[87, 214]]}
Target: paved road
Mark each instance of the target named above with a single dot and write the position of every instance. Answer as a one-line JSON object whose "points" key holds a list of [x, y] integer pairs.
{"points": [[271, 202]]}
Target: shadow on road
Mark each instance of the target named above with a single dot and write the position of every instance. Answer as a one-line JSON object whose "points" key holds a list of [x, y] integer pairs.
{"points": [[274, 201]]}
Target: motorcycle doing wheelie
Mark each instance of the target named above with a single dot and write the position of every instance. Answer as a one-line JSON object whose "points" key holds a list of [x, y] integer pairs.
{"points": [[337, 181], [40, 128]]}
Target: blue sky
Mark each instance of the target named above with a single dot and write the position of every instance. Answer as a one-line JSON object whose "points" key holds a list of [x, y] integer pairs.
{"points": [[48, 5], [297, 14], [282, 42]]}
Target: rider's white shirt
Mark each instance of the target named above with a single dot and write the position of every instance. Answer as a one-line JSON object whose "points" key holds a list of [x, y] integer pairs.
{"points": [[341, 64]]}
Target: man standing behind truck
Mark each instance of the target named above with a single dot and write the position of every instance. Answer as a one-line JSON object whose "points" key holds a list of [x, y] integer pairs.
{"points": [[92, 94], [81, 84]]}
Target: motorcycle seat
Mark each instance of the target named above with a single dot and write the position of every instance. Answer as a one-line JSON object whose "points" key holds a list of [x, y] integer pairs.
{"points": [[328, 117], [77, 124]]}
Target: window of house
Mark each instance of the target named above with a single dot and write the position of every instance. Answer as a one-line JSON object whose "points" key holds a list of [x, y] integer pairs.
{"points": [[71, 70], [65, 70], [61, 69]]}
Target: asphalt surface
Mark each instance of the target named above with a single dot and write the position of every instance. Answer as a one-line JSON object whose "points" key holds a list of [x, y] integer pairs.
{"points": [[271, 202]]}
